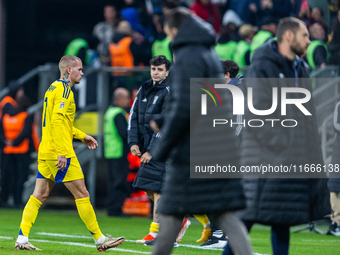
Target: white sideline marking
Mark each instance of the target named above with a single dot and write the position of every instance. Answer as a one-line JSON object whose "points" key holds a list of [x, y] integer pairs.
{"points": [[201, 247], [113, 249], [126, 240], [6, 237], [74, 236], [79, 244], [63, 235], [331, 241], [88, 245], [133, 241]]}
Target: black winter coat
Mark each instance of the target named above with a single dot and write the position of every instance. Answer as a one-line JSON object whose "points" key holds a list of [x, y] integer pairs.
{"points": [[281, 201], [148, 105], [334, 183], [181, 194]]}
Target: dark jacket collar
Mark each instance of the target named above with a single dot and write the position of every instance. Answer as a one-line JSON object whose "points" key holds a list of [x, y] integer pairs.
{"points": [[149, 84], [270, 53]]}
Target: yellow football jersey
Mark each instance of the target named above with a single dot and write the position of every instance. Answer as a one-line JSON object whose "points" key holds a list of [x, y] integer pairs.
{"points": [[57, 123]]}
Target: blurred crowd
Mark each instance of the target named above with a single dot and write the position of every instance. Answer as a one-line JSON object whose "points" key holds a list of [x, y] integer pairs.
{"points": [[132, 30]]}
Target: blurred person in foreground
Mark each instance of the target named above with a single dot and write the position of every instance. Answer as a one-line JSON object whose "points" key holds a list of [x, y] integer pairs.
{"points": [[216, 238], [281, 202], [334, 183], [116, 151], [57, 161], [193, 40]]}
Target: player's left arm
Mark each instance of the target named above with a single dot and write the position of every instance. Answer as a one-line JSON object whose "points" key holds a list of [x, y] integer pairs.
{"points": [[90, 142], [78, 134]]}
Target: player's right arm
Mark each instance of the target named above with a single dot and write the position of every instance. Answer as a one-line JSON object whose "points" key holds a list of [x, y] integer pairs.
{"points": [[59, 108]]}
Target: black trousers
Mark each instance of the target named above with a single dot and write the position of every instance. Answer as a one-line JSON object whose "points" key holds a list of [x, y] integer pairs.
{"points": [[213, 223], [14, 173], [279, 236], [118, 187]]}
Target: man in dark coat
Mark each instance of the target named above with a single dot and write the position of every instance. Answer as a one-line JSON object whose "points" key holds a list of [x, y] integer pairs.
{"points": [[149, 104], [192, 41], [230, 71], [282, 203], [334, 183]]}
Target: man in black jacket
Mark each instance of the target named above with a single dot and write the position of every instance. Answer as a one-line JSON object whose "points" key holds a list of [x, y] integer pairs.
{"points": [[192, 41], [334, 182], [149, 104], [230, 70], [282, 203]]}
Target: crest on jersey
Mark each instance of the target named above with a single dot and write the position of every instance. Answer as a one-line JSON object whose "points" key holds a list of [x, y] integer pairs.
{"points": [[62, 105]]}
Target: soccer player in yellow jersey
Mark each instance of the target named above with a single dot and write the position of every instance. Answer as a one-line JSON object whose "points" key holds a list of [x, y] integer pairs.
{"points": [[57, 161]]}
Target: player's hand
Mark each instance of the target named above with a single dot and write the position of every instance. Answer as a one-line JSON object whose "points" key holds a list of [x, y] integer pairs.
{"points": [[154, 126], [135, 150], [90, 142], [62, 162], [146, 157]]}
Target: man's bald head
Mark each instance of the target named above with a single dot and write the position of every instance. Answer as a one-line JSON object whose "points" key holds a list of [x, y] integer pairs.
{"points": [[121, 97], [67, 61]]}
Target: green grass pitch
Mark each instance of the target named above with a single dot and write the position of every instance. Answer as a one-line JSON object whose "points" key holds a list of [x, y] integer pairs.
{"points": [[63, 223]]}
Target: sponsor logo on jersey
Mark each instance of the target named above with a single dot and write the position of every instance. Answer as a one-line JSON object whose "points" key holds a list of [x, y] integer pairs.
{"points": [[51, 88]]}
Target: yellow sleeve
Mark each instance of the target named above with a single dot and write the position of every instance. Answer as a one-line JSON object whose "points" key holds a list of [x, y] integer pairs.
{"points": [[78, 134], [61, 103]]}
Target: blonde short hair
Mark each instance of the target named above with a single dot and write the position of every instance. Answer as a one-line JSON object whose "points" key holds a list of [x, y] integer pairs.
{"points": [[66, 61]]}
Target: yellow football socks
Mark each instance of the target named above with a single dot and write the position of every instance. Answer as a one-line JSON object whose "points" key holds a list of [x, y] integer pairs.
{"points": [[29, 215], [203, 218], [88, 216], [154, 228]]}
